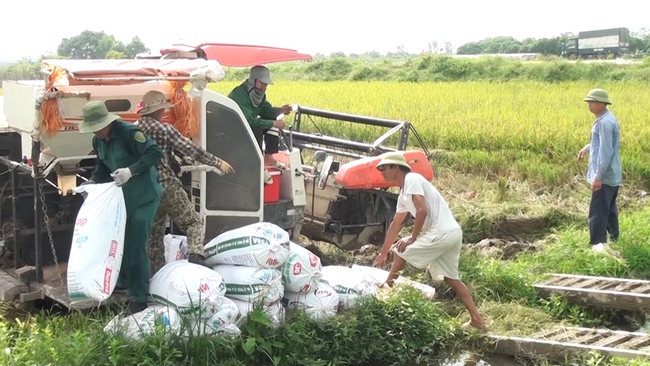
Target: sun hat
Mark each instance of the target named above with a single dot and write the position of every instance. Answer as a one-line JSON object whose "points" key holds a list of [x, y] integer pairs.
{"points": [[95, 117], [393, 158], [597, 95], [153, 101], [262, 74]]}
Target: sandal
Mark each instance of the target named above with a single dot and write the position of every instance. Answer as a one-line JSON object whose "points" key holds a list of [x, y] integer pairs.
{"points": [[280, 165], [268, 179]]}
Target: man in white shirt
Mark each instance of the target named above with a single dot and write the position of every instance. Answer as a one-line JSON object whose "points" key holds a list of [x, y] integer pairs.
{"points": [[436, 239]]}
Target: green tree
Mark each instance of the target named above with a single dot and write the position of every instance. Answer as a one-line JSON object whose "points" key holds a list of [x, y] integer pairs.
{"points": [[98, 45], [136, 46]]}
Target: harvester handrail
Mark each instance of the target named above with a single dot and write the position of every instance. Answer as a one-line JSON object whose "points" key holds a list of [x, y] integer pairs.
{"points": [[396, 126], [373, 121]]}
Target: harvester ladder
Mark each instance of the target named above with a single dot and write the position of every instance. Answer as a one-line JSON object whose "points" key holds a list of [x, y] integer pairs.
{"points": [[605, 292], [561, 343]]}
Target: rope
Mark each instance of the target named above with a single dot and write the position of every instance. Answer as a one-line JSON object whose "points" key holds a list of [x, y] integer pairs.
{"points": [[185, 121], [50, 115], [182, 116]]}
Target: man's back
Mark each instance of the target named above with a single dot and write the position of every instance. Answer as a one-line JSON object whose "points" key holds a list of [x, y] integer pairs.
{"points": [[157, 131], [439, 216], [169, 139]]}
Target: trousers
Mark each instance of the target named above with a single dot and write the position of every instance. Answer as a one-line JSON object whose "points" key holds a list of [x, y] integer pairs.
{"points": [[175, 203], [271, 137], [134, 272], [603, 215]]}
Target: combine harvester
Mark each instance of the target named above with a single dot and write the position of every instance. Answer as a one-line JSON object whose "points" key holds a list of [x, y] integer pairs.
{"points": [[43, 155]]}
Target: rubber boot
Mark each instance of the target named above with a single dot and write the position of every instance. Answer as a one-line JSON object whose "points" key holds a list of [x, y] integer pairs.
{"points": [[197, 259], [135, 307]]}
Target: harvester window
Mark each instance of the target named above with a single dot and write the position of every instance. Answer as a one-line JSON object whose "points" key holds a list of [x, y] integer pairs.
{"points": [[118, 105]]}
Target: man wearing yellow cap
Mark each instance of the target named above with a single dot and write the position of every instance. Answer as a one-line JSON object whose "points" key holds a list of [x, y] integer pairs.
{"points": [[128, 157], [174, 201], [604, 174], [436, 239]]}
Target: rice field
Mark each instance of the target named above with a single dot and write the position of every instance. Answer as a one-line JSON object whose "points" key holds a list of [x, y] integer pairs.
{"points": [[523, 130]]}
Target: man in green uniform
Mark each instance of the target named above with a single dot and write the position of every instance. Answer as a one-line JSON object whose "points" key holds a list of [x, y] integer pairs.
{"points": [[250, 96], [127, 156]]}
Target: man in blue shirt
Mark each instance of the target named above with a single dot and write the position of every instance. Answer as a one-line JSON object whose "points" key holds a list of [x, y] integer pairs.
{"points": [[605, 173]]}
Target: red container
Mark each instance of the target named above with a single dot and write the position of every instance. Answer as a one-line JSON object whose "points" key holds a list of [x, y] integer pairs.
{"points": [[272, 191]]}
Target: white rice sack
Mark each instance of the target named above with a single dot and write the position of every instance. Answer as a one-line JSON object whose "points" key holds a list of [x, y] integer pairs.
{"points": [[251, 284], [176, 247], [138, 325], [349, 284], [274, 312], [188, 287], [261, 245], [97, 243], [223, 322], [379, 276], [302, 270], [321, 302]]}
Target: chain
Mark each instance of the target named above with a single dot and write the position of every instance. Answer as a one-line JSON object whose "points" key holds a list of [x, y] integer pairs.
{"points": [[46, 218]]}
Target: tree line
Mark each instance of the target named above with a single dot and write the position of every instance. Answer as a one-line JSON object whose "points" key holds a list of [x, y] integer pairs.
{"points": [[99, 45], [639, 44]]}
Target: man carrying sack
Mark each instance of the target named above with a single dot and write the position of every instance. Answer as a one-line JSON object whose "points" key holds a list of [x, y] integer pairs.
{"points": [[127, 156]]}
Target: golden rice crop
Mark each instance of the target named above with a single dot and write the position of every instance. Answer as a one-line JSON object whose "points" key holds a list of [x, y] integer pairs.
{"points": [[526, 127]]}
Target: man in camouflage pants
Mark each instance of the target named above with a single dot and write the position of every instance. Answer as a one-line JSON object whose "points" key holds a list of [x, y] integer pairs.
{"points": [[174, 201]]}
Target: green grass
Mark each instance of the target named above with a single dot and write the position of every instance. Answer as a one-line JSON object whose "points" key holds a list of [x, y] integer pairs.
{"points": [[502, 151]]}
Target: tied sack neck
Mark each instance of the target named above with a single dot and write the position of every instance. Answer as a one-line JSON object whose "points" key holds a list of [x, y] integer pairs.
{"points": [[256, 96]]}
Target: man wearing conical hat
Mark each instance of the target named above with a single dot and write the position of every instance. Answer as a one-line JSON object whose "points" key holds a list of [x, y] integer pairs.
{"points": [[128, 157], [436, 239], [604, 173]]}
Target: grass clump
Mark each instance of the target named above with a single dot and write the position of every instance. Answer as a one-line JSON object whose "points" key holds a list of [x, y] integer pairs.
{"points": [[397, 329]]}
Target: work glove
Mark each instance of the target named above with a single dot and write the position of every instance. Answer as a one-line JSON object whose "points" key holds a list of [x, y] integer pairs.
{"points": [[85, 194], [121, 176], [225, 167]]}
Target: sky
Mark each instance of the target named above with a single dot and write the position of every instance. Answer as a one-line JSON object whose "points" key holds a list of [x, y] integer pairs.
{"points": [[350, 26]]}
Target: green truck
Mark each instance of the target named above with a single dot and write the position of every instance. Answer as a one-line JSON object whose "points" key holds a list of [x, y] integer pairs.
{"points": [[598, 44]]}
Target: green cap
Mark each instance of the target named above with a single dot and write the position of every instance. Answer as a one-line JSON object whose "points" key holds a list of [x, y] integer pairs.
{"points": [[393, 158], [95, 117], [262, 74], [597, 95]]}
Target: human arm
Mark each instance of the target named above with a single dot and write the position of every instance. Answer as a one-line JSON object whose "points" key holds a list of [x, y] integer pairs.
{"points": [[606, 150], [139, 144], [391, 235], [420, 215], [414, 190], [268, 111], [101, 174], [583, 152], [188, 148], [239, 96]]}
